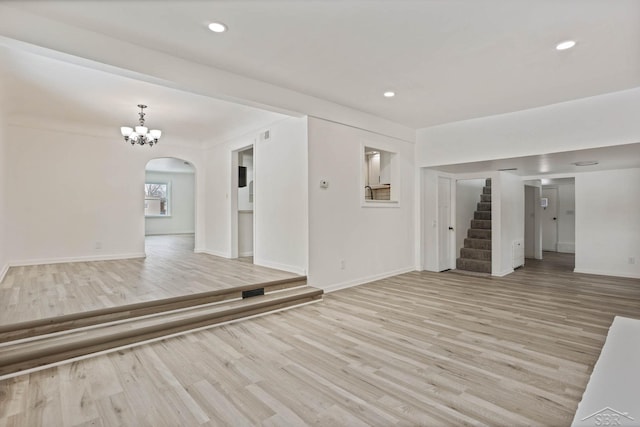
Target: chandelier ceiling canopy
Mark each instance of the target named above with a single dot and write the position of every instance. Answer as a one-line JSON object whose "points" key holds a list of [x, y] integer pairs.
{"points": [[141, 134]]}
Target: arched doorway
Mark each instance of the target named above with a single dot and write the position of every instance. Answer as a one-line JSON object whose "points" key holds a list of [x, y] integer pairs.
{"points": [[169, 206]]}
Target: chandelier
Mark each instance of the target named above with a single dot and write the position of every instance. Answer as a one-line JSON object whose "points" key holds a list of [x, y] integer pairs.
{"points": [[141, 134]]}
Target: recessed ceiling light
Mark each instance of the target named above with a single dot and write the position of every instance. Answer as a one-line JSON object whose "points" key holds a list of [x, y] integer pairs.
{"points": [[389, 94], [217, 27], [586, 163], [568, 44]]}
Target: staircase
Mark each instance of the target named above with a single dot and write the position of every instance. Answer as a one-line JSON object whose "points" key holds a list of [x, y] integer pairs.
{"points": [[42, 342], [476, 254]]}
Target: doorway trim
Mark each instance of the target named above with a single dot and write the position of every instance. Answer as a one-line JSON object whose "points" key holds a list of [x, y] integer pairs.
{"points": [[196, 217], [233, 201]]}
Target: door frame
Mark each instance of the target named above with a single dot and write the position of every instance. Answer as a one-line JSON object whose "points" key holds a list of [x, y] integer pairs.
{"points": [[557, 211], [233, 201], [450, 263]]}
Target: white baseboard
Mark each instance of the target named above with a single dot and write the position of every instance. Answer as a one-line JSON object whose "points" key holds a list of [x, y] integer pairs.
{"points": [[278, 266], [214, 253], [607, 273], [22, 263], [362, 280], [503, 273], [175, 233], [243, 254], [3, 272]]}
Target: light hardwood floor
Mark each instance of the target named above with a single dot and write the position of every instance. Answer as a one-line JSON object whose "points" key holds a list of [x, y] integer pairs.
{"points": [[416, 349], [170, 269]]}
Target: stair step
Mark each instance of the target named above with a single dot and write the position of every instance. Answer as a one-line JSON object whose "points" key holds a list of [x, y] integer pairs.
{"points": [[482, 215], [477, 243], [477, 233], [473, 265], [471, 253], [484, 224], [484, 206], [46, 349], [486, 190], [485, 197], [33, 328], [487, 182]]}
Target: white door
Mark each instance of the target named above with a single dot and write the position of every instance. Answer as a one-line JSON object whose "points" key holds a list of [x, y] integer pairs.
{"points": [[549, 219], [445, 228]]}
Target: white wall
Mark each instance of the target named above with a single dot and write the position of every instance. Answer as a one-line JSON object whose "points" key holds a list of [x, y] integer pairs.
{"points": [[532, 220], [4, 266], [280, 196], [181, 204], [468, 193], [428, 220], [597, 121], [507, 221], [607, 222], [351, 243], [69, 193]]}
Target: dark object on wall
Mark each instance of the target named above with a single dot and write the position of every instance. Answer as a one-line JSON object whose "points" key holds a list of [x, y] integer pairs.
{"points": [[242, 176]]}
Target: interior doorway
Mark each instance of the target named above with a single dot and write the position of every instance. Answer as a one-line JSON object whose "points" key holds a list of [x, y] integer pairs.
{"points": [[169, 203], [243, 206], [549, 203]]}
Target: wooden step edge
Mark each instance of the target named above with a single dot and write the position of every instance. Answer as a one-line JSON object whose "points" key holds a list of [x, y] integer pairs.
{"points": [[30, 328], [181, 312], [102, 330], [16, 361]]}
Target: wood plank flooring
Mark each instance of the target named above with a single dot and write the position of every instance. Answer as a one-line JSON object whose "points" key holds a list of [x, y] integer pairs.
{"points": [[416, 349], [170, 269]]}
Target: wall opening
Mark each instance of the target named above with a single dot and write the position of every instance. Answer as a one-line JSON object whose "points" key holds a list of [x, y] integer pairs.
{"points": [[169, 204]]}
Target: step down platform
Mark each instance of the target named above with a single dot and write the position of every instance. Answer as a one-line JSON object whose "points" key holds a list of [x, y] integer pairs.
{"points": [[36, 344]]}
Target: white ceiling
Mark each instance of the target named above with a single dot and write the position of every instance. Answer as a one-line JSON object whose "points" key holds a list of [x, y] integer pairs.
{"points": [[43, 87], [615, 157], [446, 60]]}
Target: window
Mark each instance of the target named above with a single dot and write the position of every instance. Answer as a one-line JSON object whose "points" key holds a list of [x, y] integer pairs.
{"points": [[379, 176], [156, 199]]}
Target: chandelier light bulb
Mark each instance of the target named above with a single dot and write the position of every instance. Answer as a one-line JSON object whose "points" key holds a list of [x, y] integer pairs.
{"points": [[141, 135]]}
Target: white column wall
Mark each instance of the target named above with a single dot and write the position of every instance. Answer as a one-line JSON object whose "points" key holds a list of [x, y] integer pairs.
{"points": [[607, 223], [280, 197], [4, 265], [508, 194], [351, 244]]}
